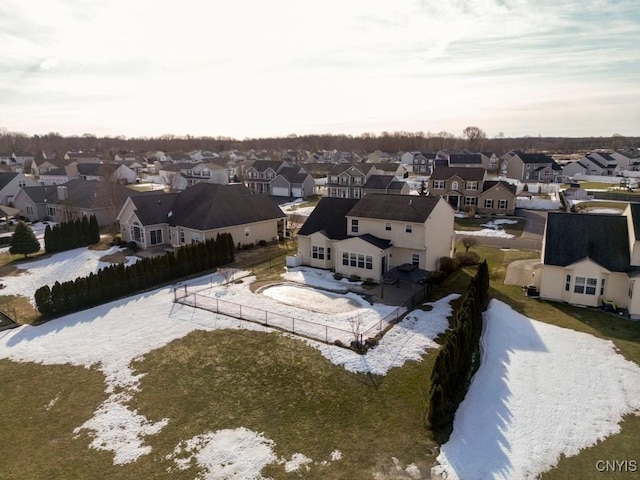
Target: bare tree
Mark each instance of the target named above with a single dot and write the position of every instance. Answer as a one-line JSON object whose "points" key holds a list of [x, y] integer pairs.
{"points": [[468, 242], [475, 137]]}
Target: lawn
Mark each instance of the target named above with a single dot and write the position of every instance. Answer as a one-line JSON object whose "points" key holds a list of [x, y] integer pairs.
{"points": [[209, 380]]}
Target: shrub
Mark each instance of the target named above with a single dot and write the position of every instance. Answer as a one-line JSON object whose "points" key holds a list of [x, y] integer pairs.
{"points": [[133, 246], [338, 276], [469, 258], [354, 278], [448, 265], [262, 243]]}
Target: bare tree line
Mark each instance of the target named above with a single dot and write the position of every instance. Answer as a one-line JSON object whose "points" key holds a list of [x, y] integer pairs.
{"points": [[473, 138]]}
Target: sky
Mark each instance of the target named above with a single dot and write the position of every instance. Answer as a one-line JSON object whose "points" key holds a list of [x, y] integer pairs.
{"points": [[255, 68]]}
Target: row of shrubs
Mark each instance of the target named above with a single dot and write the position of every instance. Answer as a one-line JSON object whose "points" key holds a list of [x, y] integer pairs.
{"points": [[117, 281], [459, 356], [71, 234]]}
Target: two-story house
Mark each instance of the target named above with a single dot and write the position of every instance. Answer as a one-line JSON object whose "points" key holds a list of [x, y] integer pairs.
{"points": [[347, 181], [292, 182], [460, 186], [369, 236], [531, 166], [10, 185], [418, 162], [591, 258], [199, 213], [601, 164], [260, 174]]}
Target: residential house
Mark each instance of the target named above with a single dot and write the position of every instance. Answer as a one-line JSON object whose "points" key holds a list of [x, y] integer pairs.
{"points": [[624, 162], [418, 162], [497, 198], [369, 236], [396, 169], [460, 186], [85, 157], [208, 172], [490, 161], [74, 199], [10, 185], [347, 181], [59, 175], [260, 174], [292, 182], [200, 213], [531, 166], [574, 168], [385, 184], [600, 164], [466, 160], [591, 258], [380, 157]]}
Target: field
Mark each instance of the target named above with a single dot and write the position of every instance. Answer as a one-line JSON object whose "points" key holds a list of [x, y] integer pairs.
{"points": [[327, 421]]}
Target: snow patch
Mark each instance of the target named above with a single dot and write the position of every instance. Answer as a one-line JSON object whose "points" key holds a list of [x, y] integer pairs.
{"points": [[298, 460]]}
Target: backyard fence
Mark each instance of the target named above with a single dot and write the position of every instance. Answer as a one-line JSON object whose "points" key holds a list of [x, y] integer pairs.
{"points": [[295, 325]]}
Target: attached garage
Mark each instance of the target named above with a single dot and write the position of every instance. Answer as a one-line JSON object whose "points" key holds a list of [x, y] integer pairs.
{"points": [[280, 191], [297, 192]]}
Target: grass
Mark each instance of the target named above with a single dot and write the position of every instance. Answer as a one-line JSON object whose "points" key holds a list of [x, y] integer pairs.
{"points": [[276, 385], [586, 205], [472, 224]]}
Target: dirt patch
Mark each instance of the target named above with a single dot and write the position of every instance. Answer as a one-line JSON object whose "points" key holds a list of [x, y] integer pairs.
{"points": [[118, 257]]}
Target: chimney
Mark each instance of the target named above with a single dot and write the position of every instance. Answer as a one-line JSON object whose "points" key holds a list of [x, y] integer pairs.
{"points": [[62, 192]]}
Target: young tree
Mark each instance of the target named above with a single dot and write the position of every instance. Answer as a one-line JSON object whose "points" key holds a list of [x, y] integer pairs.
{"points": [[468, 242], [23, 241]]}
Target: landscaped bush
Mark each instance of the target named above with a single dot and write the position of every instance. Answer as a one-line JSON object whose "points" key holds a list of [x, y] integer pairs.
{"points": [[262, 243], [448, 265], [71, 234], [467, 259]]}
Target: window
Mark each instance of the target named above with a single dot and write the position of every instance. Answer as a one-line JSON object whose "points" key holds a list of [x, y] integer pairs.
{"points": [[408, 228], [586, 285], [51, 210], [357, 193], [592, 284], [328, 253], [579, 286], [387, 226], [471, 201], [415, 259], [156, 237], [455, 185], [472, 185], [567, 283], [247, 232], [195, 237], [354, 226], [369, 262], [137, 233], [29, 209], [22, 183], [632, 284], [353, 260], [317, 252], [360, 260], [488, 203], [345, 259], [602, 287], [438, 184], [181, 234], [502, 204]]}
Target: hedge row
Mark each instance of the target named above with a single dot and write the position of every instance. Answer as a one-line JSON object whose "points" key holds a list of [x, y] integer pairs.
{"points": [[72, 234], [117, 280], [459, 356]]}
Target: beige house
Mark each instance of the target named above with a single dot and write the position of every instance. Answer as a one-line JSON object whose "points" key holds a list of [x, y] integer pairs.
{"points": [[497, 198], [369, 236], [460, 186], [589, 259], [199, 213]]}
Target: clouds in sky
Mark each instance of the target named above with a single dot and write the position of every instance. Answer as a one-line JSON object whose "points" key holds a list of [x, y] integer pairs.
{"points": [[253, 68]]}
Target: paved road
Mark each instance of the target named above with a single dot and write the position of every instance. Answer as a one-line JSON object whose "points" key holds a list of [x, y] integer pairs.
{"points": [[531, 238]]}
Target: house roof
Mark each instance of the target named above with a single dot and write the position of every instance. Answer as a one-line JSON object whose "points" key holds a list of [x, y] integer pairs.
{"points": [[264, 165], [404, 208], [466, 173], [92, 169], [293, 174], [6, 177], [209, 206], [361, 168], [635, 218], [492, 183], [465, 158], [378, 182], [571, 237], [154, 209], [375, 241], [534, 157], [329, 217], [388, 167]]}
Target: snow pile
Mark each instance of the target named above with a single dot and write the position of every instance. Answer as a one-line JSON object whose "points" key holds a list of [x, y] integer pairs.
{"points": [[298, 460], [238, 453], [408, 340], [315, 277], [60, 267], [303, 297], [485, 232], [541, 392], [497, 223]]}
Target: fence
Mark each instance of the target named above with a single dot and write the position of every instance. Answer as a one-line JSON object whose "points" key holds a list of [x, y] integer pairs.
{"points": [[295, 325]]}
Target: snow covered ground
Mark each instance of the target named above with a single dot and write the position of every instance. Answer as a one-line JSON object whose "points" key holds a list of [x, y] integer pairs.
{"points": [[541, 391]]}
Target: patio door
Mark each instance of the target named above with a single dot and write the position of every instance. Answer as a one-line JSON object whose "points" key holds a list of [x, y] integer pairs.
{"points": [[384, 265]]}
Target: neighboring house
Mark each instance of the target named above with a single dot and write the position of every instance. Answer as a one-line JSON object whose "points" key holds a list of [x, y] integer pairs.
{"points": [[590, 258], [347, 181], [380, 157], [292, 182], [395, 169], [74, 199], [260, 174], [385, 184], [369, 236], [574, 168], [10, 185], [601, 164], [490, 161], [497, 198], [85, 157], [460, 186], [574, 192], [623, 161], [206, 173], [23, 158], [531, 166], [60, 175], [200, 213], [466, 160], [418, 162]]}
